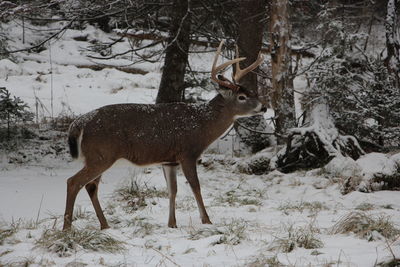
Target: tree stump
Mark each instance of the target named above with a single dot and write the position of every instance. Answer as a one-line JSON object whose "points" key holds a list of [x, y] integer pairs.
{"points": [[315, 145]]}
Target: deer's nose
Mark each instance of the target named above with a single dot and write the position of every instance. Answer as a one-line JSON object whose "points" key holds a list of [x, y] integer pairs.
{"points": [[263, 108]]}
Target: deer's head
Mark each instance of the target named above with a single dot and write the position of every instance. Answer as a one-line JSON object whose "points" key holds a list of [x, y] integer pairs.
{"points": [[243, 101]]}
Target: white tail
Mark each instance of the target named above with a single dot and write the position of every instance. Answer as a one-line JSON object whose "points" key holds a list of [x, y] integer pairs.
{"points": [[167, 134]]}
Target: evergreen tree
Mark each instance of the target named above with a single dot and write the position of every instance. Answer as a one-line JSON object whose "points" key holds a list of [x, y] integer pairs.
{"points": [[12, 110]]}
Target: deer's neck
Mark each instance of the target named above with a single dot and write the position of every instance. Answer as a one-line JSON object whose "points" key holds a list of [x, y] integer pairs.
{"points": [[222, 118]]}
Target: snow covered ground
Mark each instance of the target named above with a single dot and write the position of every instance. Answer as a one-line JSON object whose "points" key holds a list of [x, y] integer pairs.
{"points": [[297, 219]]}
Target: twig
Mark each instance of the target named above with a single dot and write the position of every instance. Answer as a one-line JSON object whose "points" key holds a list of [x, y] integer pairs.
{"points": [[166, 257], [38, 214], [390, 248], [51, 84], [227, 133], [41, 43], [260, 132], [126, 52]]}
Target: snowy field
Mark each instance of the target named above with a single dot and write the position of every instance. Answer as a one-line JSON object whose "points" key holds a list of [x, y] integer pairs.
{"points": [[276, 219]]}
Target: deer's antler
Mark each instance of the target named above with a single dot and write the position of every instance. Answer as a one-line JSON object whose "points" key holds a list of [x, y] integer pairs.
{"points": [[215, 69], [239, 73]]}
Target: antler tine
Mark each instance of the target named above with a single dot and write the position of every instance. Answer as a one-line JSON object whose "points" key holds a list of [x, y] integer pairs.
{"points": [[240, 73], [215, 69], [237, 69]]}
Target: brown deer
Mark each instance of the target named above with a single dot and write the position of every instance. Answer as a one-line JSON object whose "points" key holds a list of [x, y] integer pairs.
{"points": [[168, 134]]}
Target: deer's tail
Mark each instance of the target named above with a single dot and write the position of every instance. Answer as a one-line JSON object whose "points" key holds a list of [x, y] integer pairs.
{"points": [[74, 140]]}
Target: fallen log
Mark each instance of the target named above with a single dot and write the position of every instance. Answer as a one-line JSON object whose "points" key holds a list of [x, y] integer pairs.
{"points": [[98, 67]]}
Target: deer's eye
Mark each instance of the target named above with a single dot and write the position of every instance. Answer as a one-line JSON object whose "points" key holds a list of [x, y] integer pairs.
{"points": [[242, 97]]}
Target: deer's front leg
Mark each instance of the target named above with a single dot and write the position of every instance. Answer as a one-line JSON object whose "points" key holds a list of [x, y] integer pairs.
{"points": [[170, 177], [189, 169]]}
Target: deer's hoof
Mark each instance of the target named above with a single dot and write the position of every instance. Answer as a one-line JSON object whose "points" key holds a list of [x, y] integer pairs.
{"points": [[66, 227], [206, 221], [103, 227]]}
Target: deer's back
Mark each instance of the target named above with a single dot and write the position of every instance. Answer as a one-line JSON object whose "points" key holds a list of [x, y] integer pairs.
{"points": [[144, 134]]}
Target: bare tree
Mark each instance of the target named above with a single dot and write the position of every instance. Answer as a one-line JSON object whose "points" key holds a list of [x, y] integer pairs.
{"points": [[176, 56], [251, 28], [282, 98]]}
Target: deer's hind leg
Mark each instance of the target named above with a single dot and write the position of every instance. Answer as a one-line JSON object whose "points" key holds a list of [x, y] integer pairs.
{"points": [[92, 188], [75, 183]]}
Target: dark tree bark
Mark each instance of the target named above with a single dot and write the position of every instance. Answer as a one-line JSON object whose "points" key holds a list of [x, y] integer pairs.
{"points": [[393, 39], [282, 98], [176, 54], [249, 42]]}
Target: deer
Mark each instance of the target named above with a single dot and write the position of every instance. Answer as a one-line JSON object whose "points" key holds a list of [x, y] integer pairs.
{"points": [[169, 134]]}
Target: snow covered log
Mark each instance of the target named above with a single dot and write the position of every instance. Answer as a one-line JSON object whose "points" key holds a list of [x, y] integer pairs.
{"points": [[315, 145]]}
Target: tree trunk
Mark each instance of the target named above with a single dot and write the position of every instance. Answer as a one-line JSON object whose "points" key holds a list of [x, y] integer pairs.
{"points": [[176, 54], [250, 43], [282, 98], [392, 40]]}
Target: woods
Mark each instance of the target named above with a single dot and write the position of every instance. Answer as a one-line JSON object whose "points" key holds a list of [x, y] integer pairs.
{"points": [[290, 155]]}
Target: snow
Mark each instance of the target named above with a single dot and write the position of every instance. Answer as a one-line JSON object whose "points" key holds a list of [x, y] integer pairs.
{"points": [[8, 68], [343, 166], [377, 163], [26, 186], [35, 191]]}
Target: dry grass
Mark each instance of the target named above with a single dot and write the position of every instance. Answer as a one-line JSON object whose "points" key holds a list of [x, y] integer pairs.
{"points": [[64, 243], [196, 234], [237, 197], [135, 193], [81, 213], [366, 226], [262, 260], [232, 233], [5, 233], [8, 231], [141, 227], [302, 237], [313, 207], [365, 206], [20, 262], [390, 263]]}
